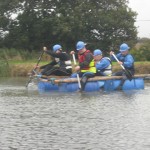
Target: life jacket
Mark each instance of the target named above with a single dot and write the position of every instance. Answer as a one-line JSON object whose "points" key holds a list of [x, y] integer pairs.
{"points": [[108, 70], [91, 67]]}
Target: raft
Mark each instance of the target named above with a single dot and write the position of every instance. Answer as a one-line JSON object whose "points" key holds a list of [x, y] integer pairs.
{"points": [[111, 83]]}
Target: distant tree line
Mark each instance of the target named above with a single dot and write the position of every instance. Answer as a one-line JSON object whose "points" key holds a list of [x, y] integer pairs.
{"points": [[103, 24], [141, 51]]}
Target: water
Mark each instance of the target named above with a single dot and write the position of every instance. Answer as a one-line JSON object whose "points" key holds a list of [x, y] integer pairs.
{"points": [[72, 121]]}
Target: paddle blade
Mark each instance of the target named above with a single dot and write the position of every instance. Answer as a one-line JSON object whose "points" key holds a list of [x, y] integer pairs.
{"points": [[29, 81], [128, 74], [33, 72]]}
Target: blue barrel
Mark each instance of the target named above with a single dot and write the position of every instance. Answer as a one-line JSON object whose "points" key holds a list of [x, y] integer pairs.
{"points": [[47, 86], [101, 84], [111, 85], [89, 87], [135, 84], [92, 86], [72, 87], [63, 87]]}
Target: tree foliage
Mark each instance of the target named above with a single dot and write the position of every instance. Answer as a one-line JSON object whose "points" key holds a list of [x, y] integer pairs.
{"points": [[102, 24], [141, 51]]}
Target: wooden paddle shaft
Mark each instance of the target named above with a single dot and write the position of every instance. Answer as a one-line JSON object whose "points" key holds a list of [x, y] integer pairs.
{"points": [[118, 61], [79, 83]]}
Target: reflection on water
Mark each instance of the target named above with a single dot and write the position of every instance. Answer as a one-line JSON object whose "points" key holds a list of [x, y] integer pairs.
{"points": [[73, 121]]}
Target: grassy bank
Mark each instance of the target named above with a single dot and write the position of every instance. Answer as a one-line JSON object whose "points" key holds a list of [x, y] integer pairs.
{"points": [[22, 68], [140, 67], [19, 63]]}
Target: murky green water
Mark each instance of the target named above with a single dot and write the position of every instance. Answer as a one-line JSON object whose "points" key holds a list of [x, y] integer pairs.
{"points": [[72, 121]]}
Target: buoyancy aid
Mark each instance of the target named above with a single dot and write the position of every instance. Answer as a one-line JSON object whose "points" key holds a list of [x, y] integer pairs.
{"points": [[108, 70], [91, 67]]}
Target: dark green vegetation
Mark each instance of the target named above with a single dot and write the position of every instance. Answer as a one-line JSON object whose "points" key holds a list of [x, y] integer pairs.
{"points": [[102, 24], [28, 25], [20, 63], [141, 50]]}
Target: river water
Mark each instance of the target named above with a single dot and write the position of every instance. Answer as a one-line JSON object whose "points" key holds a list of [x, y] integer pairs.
{"points": [[73, 121]]}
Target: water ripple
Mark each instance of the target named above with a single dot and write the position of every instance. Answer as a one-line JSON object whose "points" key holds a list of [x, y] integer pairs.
{"points": [[62, 121]]}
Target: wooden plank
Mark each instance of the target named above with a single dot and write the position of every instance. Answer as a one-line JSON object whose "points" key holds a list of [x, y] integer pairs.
{"points": [[65, 79]]}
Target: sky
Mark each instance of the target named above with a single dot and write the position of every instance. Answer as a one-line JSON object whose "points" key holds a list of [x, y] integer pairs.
{"points": [[142, 7]]}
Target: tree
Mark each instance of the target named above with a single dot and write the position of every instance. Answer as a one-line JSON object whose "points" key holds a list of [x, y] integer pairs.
{"points": [[102, 24], [141, 51]]}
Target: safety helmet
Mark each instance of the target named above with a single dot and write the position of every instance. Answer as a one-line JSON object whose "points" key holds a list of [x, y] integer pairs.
{"points": [[56, 47], [97, 52], [80, 45], [124, 47]]}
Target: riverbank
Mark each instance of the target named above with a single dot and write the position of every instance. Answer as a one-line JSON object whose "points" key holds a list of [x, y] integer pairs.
{"points": [[23, 69]]}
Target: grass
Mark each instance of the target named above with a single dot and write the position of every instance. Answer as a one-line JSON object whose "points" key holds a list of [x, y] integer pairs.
{"points": [[21, 62], [142, 67], [4, 68], [22, 68]]}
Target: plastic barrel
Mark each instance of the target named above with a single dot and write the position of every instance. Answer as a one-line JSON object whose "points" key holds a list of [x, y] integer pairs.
{"points": [[47, 86], [111, 85], [72, 87], [89, 87], [63, 87], [92, 86], [135, 84]]}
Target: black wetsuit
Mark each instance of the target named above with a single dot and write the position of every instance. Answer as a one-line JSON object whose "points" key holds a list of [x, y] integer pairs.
{"points": [[63, 62]]}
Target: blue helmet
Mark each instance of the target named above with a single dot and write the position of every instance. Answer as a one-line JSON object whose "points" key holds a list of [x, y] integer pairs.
{"points": [[124, 47], [80, 45], [97, 52], [56, 47]]}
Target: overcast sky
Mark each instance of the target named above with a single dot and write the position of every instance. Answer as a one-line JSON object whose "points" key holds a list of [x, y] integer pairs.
{"points": [[142, 7]]}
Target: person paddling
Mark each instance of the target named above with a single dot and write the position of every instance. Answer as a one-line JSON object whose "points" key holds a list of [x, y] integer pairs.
{"points": [[62, 59], [86, 68], [125, 59]]}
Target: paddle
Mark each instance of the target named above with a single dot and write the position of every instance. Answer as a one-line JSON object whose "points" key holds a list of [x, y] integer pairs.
{"points": [[34, 70], [127, 72], [79, 83]]}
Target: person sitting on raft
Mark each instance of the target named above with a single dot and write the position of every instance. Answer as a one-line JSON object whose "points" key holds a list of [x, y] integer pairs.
{"points": [[125, 59], [86, 68], [103, 64], [62, 59]]}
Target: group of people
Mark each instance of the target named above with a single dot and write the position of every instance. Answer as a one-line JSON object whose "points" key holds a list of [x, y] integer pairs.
{"points": [[89, 64]]}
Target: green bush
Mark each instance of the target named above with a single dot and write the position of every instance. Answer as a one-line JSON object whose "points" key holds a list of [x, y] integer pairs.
{"points": [[14, 54], [9, 56], [4, 68], [142, 52]]}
